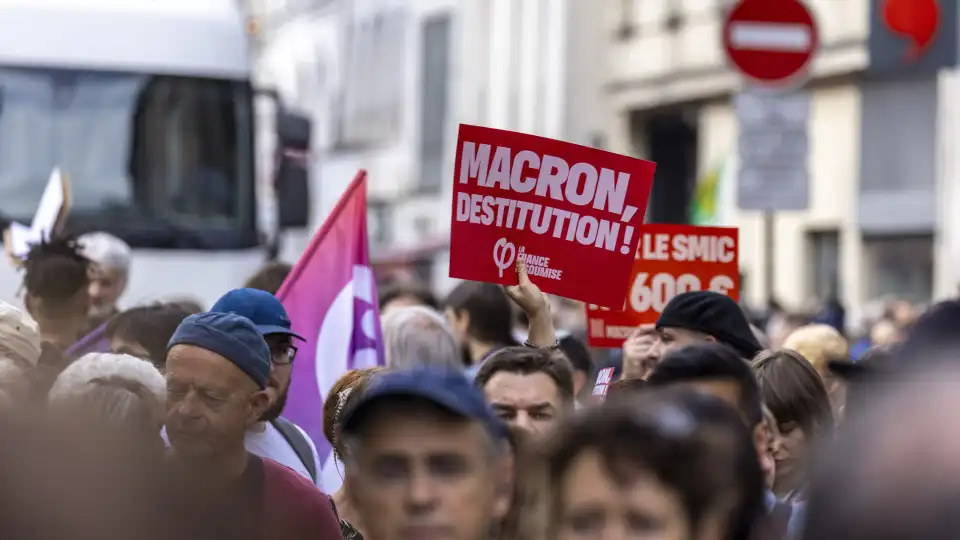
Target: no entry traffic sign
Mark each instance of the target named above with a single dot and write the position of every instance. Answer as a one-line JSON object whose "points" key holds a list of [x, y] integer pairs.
{"points": [[771, 42]]}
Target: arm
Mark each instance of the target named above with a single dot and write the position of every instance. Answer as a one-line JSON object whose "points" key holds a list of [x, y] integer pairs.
{"points": [[536, 305]]}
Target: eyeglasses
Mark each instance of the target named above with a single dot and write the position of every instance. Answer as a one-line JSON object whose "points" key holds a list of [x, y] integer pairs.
{"points": [[283, 355]]}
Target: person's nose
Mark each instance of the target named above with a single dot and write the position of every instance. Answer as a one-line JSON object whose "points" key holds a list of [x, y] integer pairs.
{"points": [[421, 493], [189, 407], [524, 421], [95, 289]]}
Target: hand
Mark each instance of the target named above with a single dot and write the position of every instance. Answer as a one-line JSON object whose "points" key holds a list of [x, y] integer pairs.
{"points": [[640, 352], [527, 295]]}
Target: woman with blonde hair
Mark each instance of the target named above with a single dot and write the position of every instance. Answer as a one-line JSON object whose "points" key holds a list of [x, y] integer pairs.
{"points": [[822, 345], [343, 392]]}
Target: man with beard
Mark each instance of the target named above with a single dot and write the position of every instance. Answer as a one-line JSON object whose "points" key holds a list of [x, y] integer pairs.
{"points": [[274, 437]]}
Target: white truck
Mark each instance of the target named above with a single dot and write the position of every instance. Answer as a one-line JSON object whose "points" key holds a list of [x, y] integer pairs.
{"points": [[148, 107]]}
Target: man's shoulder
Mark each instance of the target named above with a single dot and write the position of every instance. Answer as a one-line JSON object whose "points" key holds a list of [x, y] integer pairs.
{"points": [[293, 503], [285, 476], [283, 481]]}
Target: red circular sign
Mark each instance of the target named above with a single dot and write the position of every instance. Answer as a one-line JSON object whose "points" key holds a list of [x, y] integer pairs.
{"points": [[770, 41]]}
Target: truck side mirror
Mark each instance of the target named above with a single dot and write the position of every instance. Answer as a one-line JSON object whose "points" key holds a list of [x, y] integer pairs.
{"points": [[293, 170]]}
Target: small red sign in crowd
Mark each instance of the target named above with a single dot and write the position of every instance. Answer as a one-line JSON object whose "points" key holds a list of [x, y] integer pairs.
{"points": [[571, 212], [671, 259]]}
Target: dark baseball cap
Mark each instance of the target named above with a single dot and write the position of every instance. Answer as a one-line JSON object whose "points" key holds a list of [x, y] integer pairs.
{"points": [[447, 389], [230, 335], [261, 307]]}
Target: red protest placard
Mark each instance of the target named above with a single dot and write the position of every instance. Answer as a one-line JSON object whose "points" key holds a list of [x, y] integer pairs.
{"points": [[670, 260], [570, 211]]}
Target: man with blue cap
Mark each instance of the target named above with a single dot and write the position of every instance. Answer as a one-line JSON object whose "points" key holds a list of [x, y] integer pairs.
{"points": [[274, 437], [425, 458], [218, 365]]}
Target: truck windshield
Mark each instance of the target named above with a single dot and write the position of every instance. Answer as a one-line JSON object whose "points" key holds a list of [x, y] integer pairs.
{"points": [[160, 161]]}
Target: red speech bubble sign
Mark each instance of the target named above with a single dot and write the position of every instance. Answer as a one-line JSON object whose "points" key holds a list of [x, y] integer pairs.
{"points": [[916, 20]]}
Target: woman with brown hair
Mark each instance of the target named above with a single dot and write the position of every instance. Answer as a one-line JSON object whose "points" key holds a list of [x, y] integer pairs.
{"points": [[794, 392], [666, 464], [343, 392]]}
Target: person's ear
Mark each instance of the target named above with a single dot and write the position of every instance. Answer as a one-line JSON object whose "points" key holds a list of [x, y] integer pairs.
{"points": [[710, 339], [463, 321], [257, 404]]}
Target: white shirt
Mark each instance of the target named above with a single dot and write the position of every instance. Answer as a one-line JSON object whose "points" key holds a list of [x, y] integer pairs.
{"points": [[271, 444]]}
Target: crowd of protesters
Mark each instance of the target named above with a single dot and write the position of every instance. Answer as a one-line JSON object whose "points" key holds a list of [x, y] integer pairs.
{"points": [[481, 425]]}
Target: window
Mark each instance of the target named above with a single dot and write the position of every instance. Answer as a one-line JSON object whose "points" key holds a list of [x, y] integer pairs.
{"points": [[890, 162], [374, 83], [627, 25], [381, 220], [675, 17], [901, 266], [434, 93], [162, 162], [824, 253]]}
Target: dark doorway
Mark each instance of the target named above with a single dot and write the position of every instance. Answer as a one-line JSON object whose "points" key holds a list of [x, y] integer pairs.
{"points": [[671, 139]]}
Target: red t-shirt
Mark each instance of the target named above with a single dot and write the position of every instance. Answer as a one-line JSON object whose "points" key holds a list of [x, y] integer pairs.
{"points": [[293, 508], [267, 502]]}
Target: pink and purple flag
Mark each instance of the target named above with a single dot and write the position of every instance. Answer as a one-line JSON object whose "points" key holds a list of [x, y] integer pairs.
{"points": [[331, 298]]}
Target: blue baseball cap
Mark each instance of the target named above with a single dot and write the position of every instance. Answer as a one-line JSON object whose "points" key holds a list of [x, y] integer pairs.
{"points": [[446, 388], [232, 336], [261, 307]]}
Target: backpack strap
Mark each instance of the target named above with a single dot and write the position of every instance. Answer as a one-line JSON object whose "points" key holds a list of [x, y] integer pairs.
{"points": [[299, 443]]}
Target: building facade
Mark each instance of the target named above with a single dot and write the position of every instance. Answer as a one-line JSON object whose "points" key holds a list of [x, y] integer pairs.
{"points": [[376, 77], [389, 81], [879, 164]]}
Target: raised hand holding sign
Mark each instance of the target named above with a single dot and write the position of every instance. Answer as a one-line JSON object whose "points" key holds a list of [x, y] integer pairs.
{"points": [[526, 294], [572, 212]]}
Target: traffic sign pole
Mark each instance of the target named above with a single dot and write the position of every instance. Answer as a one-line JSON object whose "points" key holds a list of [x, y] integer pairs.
{"points": [[772, 44]]}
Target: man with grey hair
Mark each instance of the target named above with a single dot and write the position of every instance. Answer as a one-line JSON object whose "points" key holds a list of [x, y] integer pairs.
{"points": [[111, 258], [419, 336]]}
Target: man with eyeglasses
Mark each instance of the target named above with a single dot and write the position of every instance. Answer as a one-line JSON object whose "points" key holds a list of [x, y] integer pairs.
{"points": [[274, 437]]}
